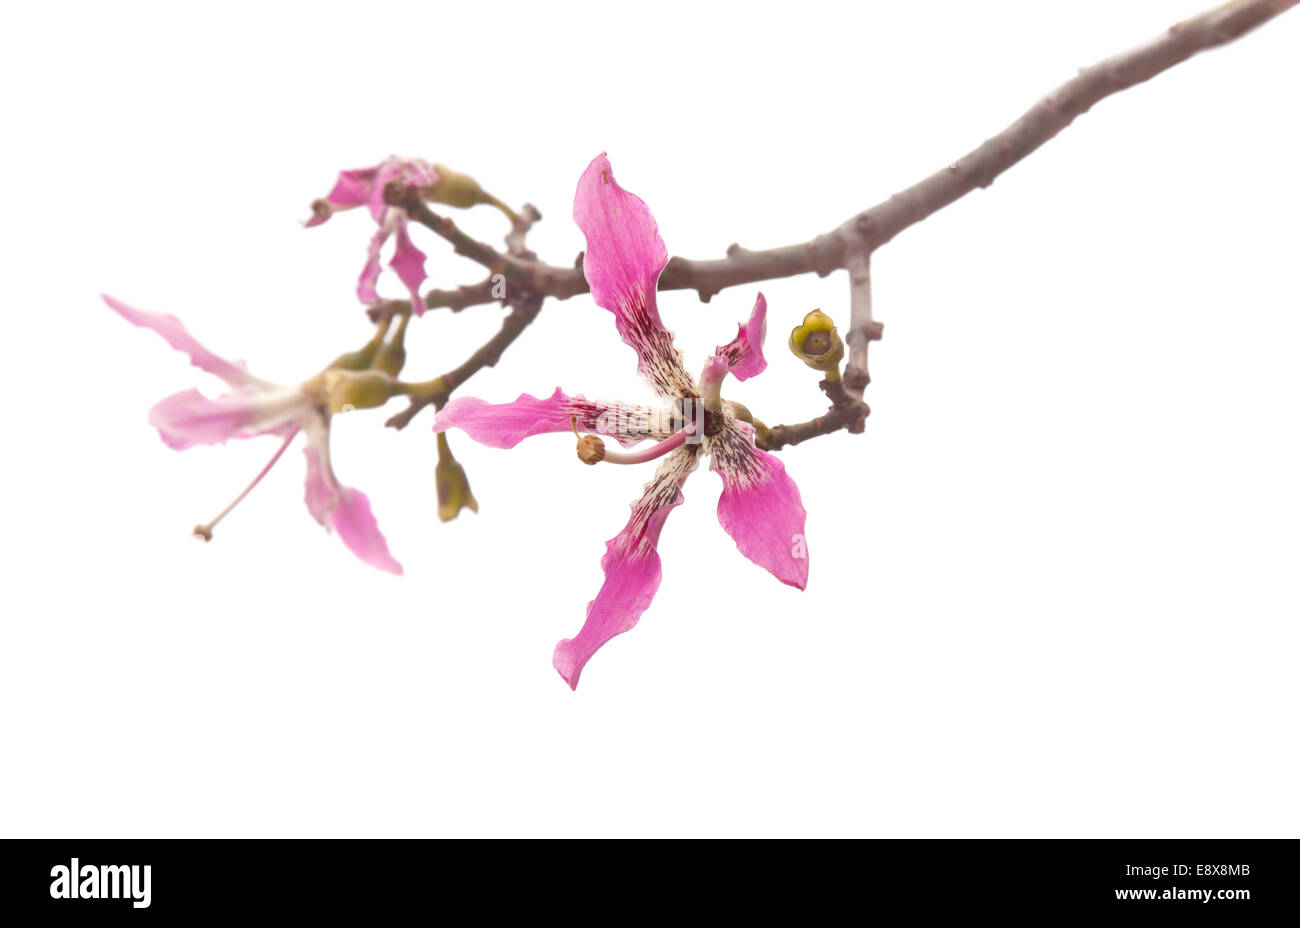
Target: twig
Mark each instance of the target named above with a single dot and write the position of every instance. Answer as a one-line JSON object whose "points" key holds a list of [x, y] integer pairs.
{"points": [[440, 388]]}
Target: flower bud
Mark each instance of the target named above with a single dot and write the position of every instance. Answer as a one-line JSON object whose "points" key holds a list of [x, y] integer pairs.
{"points": [[817, 344], [454, 189], [391, 357], [453, 487], [348, 390]]}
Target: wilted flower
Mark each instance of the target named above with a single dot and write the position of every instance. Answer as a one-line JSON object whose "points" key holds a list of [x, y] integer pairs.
{"points": [[257, 407], [759, 507], [365, 187]]}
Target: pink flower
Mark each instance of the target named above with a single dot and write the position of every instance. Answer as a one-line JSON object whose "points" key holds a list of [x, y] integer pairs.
{"points": [[759, 506], [257, 407], [365, 187]]}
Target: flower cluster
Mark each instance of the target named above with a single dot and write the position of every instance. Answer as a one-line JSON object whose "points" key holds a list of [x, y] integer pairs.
{"points": [[759, 504]]}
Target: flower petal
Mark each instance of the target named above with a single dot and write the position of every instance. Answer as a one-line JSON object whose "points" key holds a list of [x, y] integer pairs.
{"points": [[744, 353], [631, 565], [412, 172], [173, 332], [357, 527], [366, 292], [345, 510], [760, 506], [622, 264], [504, 425], [321, 491], [189, 418], [408, 262], [353, 187]]}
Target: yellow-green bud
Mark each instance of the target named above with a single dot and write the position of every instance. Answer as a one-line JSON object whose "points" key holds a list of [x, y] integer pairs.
{"points": [[817, 344], [348, 390], [453, 487], [454, 189], [355, 360]]}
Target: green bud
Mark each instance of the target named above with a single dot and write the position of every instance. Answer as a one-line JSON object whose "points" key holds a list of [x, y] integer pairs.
{"points": [[454, 189], [817, 344], [392, 356], [348, 390], [355, 360], [453, 487]]}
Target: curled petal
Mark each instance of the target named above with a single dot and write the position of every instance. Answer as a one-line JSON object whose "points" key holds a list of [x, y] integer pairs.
{"points": [[622, 264], [173, 332], [760, 506], [744, 353], [189, 418], [408, 262], [411, 172], [366, 292], [505, 425], [631, 565]]}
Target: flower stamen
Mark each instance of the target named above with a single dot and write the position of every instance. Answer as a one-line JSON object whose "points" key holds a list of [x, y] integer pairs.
{"points": [[592, 450], [205, 531]]}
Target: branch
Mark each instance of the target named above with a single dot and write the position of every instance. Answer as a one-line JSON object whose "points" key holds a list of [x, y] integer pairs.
{"points": [[871, 228], [439, 389]]}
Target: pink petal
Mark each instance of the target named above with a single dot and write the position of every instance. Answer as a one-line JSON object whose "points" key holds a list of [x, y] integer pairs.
{"points": [[356, 525], [189, 418], [175, 334], [321, 491], [366, 292], [412, 172], [631, 565], [760, 506], [342, 508], [623, 260], [505, 425], [353, 187], [744, 353], [408, 262]]}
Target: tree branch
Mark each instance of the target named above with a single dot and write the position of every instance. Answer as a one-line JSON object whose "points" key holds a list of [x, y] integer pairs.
{"points": [[871, 228]]}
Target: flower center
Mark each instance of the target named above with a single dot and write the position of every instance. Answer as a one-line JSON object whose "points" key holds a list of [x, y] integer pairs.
{"points": [[817, 344]]}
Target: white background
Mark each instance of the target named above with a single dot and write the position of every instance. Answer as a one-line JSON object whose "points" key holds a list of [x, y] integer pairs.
{"points": [[1053, 586]]}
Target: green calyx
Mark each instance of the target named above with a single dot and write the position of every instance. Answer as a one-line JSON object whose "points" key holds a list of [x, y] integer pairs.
{"points": [[816, 343]]}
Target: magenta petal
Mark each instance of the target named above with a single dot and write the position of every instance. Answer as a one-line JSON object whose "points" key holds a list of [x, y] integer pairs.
{"points": [[631, 565], [504, 425], [173, 332], [353, 187], [356, 525], [408, 262], [622, 264], [744, 353], [760, 506]]}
